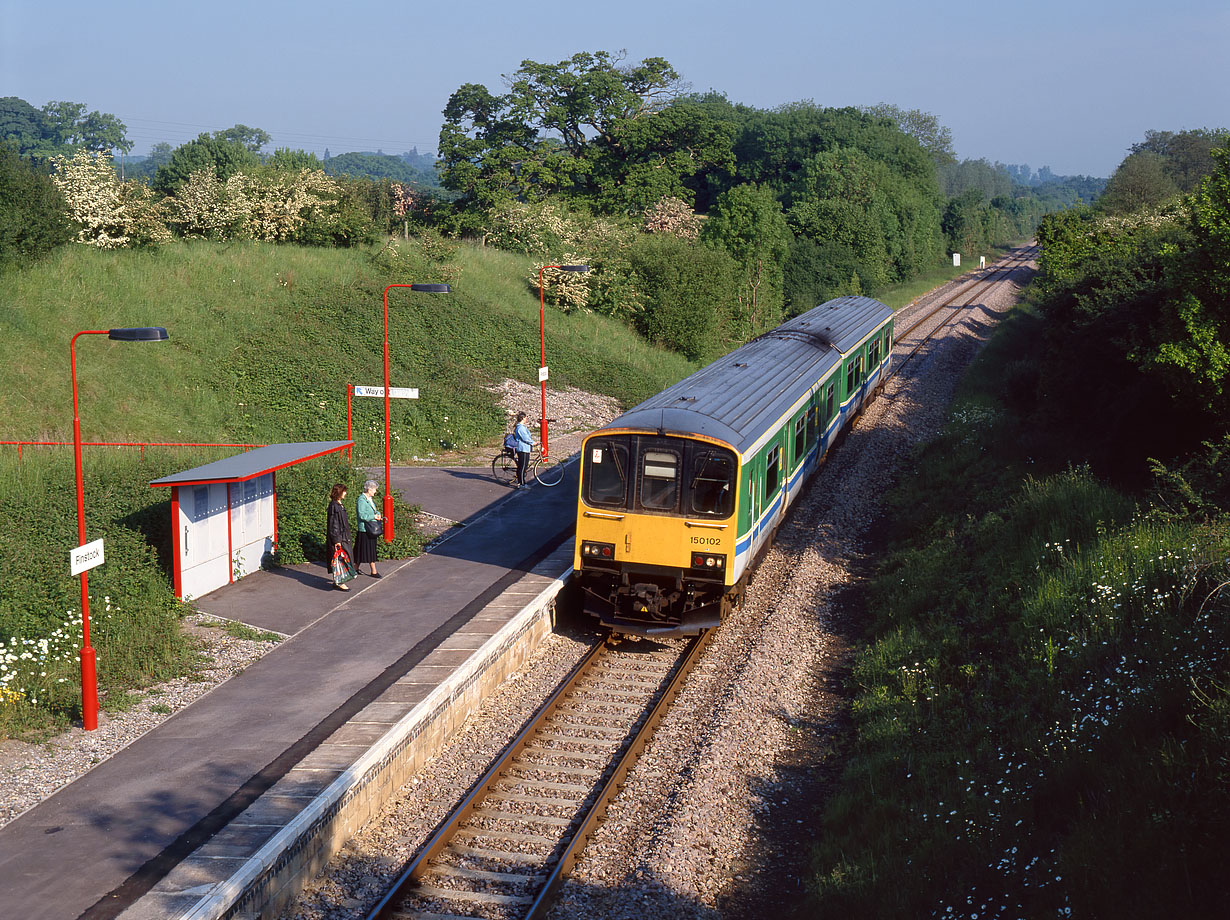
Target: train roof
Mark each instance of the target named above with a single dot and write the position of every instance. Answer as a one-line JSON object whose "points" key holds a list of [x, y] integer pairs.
{"points": [[737, 397]]}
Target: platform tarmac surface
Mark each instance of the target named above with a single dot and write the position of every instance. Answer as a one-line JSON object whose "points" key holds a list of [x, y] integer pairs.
{"points": [[102, 841]]}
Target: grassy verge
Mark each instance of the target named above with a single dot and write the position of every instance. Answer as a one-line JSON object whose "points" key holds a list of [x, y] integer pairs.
{"points": [[1041, 704], [898, 295], [264, 340]]}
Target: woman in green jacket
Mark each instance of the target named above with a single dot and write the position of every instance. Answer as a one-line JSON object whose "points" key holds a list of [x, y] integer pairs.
{"points": [[365, 544]]}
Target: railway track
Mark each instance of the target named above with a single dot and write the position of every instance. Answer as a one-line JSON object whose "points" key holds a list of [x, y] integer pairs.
{"points": [[967, 294], [508, 845]]}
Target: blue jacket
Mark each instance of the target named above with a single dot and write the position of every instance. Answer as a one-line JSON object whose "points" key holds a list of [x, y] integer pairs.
{"points": [[524, 443]]}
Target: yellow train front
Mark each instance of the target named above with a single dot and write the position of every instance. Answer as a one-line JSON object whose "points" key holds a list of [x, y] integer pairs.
{"points": [[679, 495]]}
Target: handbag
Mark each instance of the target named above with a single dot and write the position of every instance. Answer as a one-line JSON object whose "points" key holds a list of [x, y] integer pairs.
{"points": [[342, 568], [373, 527]]}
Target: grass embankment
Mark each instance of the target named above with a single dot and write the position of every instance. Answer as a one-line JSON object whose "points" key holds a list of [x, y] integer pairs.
{"points": [[264, 340], [1041, 705]]}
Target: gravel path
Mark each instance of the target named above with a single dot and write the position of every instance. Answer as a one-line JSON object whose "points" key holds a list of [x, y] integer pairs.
{"points": [[709, 821]]}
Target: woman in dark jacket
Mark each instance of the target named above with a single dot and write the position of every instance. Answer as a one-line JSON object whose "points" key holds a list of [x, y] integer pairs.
{"points": [[337, 529]]}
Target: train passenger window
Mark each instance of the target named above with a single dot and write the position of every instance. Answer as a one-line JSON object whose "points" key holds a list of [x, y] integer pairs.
{"points": [[811, 424], [851, 378], [800, 437], [873, 353], [606, 473], [773, 471], [659, 480], [711, 487], [830, 403]]}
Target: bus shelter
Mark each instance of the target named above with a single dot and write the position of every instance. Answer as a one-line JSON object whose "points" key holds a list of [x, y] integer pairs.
{"points": [[224, 515]]}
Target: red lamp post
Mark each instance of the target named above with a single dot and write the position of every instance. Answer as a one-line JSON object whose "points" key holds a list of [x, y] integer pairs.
{"points": [[388, 463], [542, 336], [89, 672]]}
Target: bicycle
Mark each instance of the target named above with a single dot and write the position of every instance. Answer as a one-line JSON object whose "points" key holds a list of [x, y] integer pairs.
{"points": [[545, 472]]}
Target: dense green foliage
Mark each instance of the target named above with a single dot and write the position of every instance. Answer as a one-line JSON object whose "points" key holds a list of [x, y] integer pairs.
{"points": [[402, 169], [568, 165], [855, 192], [33, 218], [58, 129], [1042, 724], [1139, 323]]}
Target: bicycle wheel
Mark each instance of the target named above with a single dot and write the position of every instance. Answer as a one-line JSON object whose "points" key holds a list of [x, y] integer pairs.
{"points": [[504, 467], [548, 472]]}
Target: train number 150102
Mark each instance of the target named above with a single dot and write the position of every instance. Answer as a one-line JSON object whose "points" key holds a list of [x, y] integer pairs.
{"points": [[706, 541]]}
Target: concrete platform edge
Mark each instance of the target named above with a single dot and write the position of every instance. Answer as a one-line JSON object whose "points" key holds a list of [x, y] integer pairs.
{"points": [[268, 880]]}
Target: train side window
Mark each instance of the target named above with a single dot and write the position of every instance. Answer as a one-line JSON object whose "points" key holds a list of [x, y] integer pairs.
{"points": [[660, 480], [811, 424], [851, 381], [606, 473], [830, 403], [711, 487], [801, 430], [873, 353], [773, 471]]}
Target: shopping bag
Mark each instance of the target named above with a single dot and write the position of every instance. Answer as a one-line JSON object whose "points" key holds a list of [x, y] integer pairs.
{"points": [[343, 569]]}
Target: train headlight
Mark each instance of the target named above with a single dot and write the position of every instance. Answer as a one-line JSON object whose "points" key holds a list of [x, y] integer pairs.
{"points": [[710, 561], [598, 551]]}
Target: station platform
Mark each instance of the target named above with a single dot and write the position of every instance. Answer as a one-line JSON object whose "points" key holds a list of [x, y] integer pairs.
{"points": [[228, 805]]}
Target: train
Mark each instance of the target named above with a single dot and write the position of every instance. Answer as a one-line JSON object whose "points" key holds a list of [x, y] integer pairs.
{"points": [[679, 495]]}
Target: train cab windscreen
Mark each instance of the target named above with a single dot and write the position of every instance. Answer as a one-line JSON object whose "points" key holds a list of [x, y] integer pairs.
{"points": [[659, 475]]}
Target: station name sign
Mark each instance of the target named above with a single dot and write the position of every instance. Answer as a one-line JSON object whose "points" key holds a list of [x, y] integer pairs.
{"points": [[86, 557]]}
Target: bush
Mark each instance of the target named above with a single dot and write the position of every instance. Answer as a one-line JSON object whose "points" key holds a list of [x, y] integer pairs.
{"points": [[689, 293], [33, 215]]}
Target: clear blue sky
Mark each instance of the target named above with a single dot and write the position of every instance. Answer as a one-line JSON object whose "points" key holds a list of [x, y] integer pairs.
{"points": [[1070, 85]]}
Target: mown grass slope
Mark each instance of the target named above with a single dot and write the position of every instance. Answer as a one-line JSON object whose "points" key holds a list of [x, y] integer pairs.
{"points": [[263, 341]]}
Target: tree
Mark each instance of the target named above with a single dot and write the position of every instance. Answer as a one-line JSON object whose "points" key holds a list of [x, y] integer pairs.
{"points": [[60, 128], [75, 128], [294, 160], [656, 156], [209, 153], [747, 222], [923, 127], [586, 128], [958, 178], [252, 138], [687, 294], [25, 128], [1141, 181], [33, 218], [1187, 155], [962, 222]]}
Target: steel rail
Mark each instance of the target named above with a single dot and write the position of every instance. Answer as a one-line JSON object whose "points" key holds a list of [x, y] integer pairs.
{"points": [[615, 782], [403, 887], [976, 288]]}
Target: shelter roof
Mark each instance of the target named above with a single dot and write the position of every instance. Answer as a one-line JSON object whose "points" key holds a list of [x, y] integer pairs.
{"points": [[253, 463]]}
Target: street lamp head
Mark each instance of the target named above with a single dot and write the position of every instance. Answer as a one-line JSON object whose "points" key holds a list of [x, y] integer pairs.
{"points": [[139, 334], [574, 268], [432, 288]]}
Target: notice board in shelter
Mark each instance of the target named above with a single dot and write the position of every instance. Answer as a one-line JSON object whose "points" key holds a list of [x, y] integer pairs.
{"points": [[224, 514]]}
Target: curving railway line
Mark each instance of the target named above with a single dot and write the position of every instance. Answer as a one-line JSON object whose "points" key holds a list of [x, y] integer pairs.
{"points": [[517, 832]]}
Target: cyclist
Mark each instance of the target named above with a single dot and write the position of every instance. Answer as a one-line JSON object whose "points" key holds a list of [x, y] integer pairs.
{"points": [[523, 445]]}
